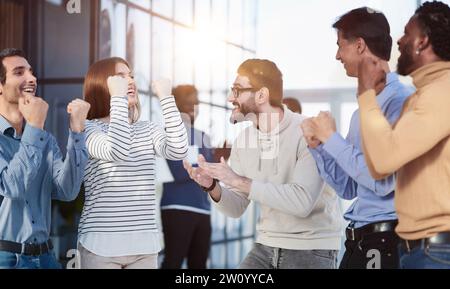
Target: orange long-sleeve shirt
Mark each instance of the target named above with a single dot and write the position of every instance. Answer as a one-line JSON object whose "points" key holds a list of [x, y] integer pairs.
{"points": [[417, 148]]}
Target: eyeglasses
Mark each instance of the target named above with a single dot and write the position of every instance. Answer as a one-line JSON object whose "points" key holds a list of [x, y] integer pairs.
{"points": [[237, 91]]}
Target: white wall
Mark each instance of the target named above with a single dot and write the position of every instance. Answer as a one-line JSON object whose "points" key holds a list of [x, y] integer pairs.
{"points": [[299, 37]]}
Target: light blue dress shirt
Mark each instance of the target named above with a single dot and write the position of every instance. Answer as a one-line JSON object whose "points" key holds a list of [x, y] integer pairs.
{"points": [[32, 173], [342, 165]]}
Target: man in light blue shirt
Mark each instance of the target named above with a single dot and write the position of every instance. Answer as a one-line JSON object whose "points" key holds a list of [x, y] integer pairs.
{"points": [[32, 171], [361, 32]]}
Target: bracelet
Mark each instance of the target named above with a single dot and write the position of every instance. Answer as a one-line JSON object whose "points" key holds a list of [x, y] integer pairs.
{"points": [[212, 187]]}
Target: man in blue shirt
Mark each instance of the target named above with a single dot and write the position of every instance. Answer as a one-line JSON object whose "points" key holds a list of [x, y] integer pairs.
{"points": [[371, 240], [32, 171], [185, 208]]}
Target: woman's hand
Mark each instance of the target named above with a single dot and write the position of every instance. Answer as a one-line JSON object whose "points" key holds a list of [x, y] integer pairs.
{"points": [[162, 87], [117, 85]]}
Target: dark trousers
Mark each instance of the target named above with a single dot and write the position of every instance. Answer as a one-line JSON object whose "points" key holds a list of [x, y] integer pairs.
{"points": [[186, 235], [373, 251]]}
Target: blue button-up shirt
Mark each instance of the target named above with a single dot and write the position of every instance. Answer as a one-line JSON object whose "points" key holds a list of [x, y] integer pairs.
{"points": [[342, 165], [32, 174]]}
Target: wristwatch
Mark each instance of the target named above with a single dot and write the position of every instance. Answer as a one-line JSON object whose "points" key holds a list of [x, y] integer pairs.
{"points": [[212, 187]]}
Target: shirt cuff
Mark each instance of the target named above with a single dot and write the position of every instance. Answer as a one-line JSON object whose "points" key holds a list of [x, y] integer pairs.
{"points": [[320, 155], [119, 97], [318, 149], [335, 145], [119, 100], [165, 98], [35, 137], [77, 140]]}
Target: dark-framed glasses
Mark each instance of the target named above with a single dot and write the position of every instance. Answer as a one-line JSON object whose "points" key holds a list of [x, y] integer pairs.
{"points": [[237, 90]]}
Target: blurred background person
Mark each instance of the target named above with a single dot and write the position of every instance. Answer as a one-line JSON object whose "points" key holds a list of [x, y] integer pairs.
{"points": [[293, 104], [185, 208]]}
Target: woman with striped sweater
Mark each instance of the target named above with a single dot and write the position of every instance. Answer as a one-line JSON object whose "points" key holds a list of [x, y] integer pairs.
{"points": [[118, 226]]}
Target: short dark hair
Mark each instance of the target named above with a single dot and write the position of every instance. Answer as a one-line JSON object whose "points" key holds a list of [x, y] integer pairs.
{"points": [[293, 104], [434, 17], [182, 91], [8, 52], [370, 25], [264, 73]]}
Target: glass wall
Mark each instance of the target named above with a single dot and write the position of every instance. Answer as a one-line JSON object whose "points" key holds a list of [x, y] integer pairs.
{"points": [[59, 49], [199, 42]]}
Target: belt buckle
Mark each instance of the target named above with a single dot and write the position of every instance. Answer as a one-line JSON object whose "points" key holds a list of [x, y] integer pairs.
{"points": [[35, 250], [352, 233]]}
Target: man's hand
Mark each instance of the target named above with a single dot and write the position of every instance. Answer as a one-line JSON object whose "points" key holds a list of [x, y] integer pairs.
{"points": [[198, 175], [371, 75], [34, 110], [117, 85], [324, 126], [78, 111], [162, 87], [225, 174], [308, 128]]}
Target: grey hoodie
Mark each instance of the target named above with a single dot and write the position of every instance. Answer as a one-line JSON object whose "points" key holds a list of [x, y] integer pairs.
{"points": [[298, 211]]}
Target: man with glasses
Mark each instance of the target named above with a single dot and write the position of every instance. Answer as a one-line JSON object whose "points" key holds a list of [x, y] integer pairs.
{"points": [[299, 224]]}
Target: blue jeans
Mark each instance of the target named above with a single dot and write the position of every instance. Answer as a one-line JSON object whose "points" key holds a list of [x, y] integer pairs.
{"points": [[426, 257], [17, 261], [264, 257]]}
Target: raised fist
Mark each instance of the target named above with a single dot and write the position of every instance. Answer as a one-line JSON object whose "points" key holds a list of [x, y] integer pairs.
{"points": [[78, 110], [117, 85], [162, 87], [34, 110]]}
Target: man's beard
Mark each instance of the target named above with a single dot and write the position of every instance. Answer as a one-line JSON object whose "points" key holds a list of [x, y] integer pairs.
{"points": [[247, 111], [405, 61]]}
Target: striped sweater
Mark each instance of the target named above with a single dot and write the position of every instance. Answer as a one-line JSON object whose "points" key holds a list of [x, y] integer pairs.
{"points": [[118, 217]]}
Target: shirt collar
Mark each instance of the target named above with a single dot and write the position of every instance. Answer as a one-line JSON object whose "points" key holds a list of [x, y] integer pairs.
{"points": [[391, 79], [430, 72], [7, 129]]}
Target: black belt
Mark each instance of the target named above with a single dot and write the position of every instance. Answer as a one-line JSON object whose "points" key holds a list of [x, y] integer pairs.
{"points": [[440, 239], [26, 249], [355, 234]]}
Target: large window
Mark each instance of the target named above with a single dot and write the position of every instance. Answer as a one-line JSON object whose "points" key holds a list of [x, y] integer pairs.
{"points": [[58, 47], [199, 42]]}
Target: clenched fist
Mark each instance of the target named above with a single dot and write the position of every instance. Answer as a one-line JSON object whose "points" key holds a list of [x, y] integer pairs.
{"points": [[34, 110], [117, 85], [78, 110], [162, 87], [308, 128]]}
